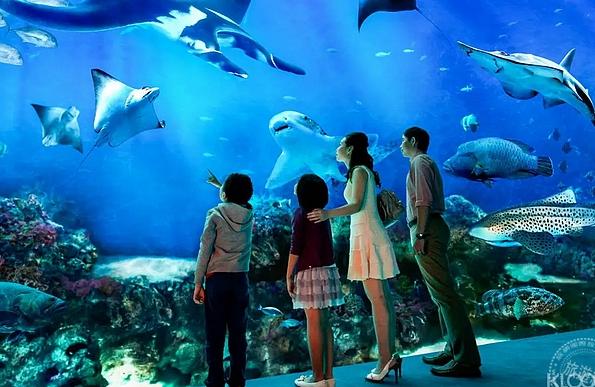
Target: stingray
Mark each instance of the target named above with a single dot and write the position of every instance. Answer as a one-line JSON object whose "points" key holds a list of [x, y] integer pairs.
{"points": [[307, 148], [59, 126], [523, 76], [202, 26], [369, 7], [121, 111]]}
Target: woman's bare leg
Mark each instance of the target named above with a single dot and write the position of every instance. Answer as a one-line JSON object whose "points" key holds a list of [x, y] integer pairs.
{"points": [[383, 313]]}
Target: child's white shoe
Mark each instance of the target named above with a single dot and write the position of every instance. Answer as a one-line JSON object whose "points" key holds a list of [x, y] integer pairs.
{"points": [[308, 381]]}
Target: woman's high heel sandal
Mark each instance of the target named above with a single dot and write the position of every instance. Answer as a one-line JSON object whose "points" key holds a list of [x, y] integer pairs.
{"points": [[393, 364]]}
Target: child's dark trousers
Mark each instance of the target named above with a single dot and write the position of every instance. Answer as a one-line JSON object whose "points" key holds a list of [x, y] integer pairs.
{"points": [[226, 308]]}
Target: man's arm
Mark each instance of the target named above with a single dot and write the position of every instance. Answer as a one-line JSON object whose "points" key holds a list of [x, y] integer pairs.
{"points": [[422, 218]]}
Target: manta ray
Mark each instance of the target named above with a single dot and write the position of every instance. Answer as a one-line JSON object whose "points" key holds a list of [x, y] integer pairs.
{"points": [[369, 7], [122, 111], [307, 148], [523, 76], [203, 26], [59, 126]]}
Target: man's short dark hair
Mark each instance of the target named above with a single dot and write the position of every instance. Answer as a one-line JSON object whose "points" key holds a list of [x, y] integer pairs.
{"points": [[422, 138], [238, 188], [311, 192]]}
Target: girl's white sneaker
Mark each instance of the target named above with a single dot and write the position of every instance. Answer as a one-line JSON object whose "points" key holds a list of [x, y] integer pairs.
{"points": [[308, 381]]}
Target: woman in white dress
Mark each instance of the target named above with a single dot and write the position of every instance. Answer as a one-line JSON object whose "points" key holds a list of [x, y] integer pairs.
{"points": [[371, 256]]}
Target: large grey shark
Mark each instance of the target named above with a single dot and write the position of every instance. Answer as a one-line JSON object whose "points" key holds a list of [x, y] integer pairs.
{"points": [[203, 26], [535, 225], [122, 111], [59, 126], [523, 76], [307, 148]]}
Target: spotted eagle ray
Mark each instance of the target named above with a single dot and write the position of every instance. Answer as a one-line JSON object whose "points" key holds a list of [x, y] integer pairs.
{"points": [[369, 7], [535, 225], [307, 148], [121, 111], [59, 126], [203, 26], [523, 76]]}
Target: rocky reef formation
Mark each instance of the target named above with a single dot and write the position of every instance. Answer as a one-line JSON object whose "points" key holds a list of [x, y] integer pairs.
{"points": [[139, 328]]}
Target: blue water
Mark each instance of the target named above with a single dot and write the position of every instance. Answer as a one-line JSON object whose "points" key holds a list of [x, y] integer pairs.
{"points": [[148, 195]]}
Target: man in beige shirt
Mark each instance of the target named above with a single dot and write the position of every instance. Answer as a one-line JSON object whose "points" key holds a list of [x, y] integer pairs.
{"points": [[429, 237]]}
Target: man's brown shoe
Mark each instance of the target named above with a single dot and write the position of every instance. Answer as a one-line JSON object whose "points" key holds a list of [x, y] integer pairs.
{"points": [[439, 359]]}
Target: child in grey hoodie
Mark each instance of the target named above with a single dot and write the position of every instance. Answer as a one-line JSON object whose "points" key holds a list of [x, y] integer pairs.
{"points": [[221, 279]]}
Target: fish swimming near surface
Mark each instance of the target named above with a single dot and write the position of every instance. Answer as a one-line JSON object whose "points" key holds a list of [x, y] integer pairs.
{"points": [[521, 302], [10, 55], [3, 149], [567, 147], [470, 123], [270, 311], [36, 37], [489, 158], [121, 111], [382, 54], [466, 88], [535, 225], [26, 309], [563, 166], [59, 126], [202, 26], [523, 76], [307, 148], [554, 135]]}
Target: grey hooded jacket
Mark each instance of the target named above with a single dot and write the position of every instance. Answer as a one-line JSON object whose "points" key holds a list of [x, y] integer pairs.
{"points": [[226, 242]]}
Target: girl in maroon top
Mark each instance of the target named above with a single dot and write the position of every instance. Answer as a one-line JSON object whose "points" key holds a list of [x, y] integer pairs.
{"points": [[313, 279]]}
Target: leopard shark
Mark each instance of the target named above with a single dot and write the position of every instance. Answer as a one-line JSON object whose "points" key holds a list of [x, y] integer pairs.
{"points": [[307, 148], [535, 225], [523, 76], [204, 27]]}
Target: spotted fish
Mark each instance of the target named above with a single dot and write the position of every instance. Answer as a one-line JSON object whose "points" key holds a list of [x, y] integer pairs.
{"points": [[535, 225], [519, 303]]}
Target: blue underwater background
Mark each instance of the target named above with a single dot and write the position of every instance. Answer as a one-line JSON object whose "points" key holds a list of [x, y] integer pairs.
{"points": [[148, 197]]}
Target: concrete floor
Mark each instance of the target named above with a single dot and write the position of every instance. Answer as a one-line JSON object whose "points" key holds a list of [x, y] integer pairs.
{"points": [[512, 363]]}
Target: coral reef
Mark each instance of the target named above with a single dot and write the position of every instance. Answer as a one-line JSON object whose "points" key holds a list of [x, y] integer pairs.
{"points": [[144, 328]]}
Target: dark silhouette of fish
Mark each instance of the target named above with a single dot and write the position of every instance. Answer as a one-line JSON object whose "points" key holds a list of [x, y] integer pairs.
{"points": [[26, 309]]}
